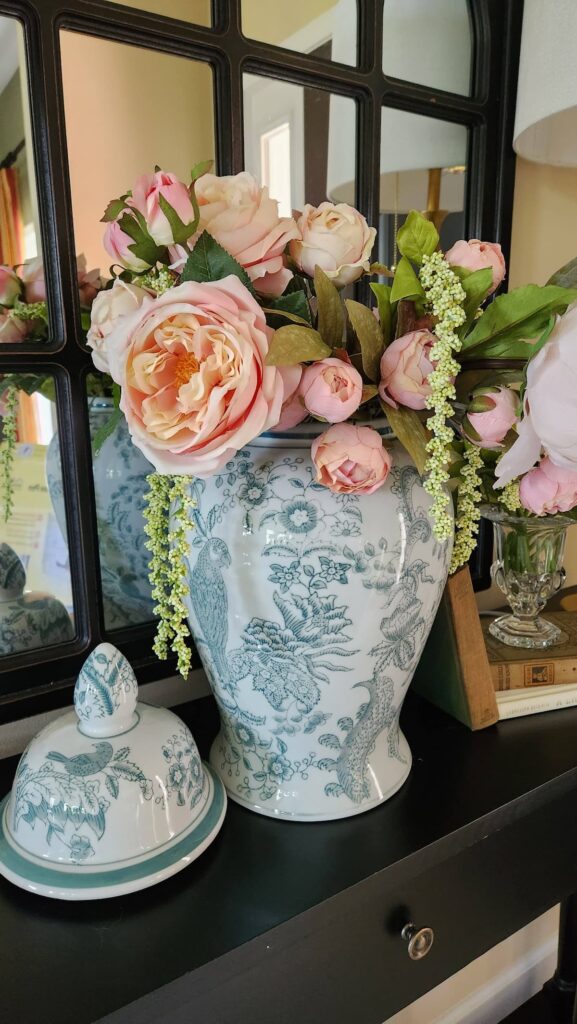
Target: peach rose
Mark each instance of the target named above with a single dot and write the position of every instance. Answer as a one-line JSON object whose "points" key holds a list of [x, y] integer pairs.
{"points": [[405, 368], [146, 199], [242, 217], [336, 238], [548, 489], [9, 286], [12, 329], [117, 244], [491, 427], [476, 255], [107, 307], [351, 459], [331, 390], [191, 364], [293, 409]]}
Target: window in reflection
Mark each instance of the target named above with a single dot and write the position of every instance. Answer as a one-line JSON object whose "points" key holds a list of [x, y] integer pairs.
{"points": [[325, 28], [161, 112], [196, 11], [297, 140], [428, 42], [35, 591], [120, 472]]}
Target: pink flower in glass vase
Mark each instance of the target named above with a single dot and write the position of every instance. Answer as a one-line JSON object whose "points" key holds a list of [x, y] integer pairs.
{"points": [[476, 255], [548, 489], [146, 197], [12, 329], [191, 365], [241, 216], [350, 459], [10, 286], [336, 238], [491, 424], [331, 390], [405, 368]]}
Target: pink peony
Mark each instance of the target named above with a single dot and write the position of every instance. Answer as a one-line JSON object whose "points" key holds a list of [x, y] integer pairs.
{"points": [[336, 238], [476, 255], [191, 364], [146, 199], [89, 282], [548, 489], [331, 389], [107, 307], [9, 286], [242, 217], [491, 427], [117, 244], [32, 274], [351, 459], [405, 369], [12, 329], [293, 409]]}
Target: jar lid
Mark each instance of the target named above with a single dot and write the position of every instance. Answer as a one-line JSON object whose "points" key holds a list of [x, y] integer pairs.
{"points": [[109, 798]]}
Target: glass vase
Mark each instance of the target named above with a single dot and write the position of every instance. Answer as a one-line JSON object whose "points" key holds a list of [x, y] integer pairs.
{"points": [[528, 568]]}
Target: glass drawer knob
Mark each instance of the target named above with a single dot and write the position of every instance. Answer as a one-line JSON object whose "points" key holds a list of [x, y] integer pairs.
{"points": [[419, 940]]}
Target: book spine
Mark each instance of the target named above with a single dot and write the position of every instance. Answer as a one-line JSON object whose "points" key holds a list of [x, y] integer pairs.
{"points": [[527, 705], [522, 675]]}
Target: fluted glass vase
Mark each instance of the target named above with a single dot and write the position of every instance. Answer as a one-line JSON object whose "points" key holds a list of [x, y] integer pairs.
{"points": [[528, 568]]}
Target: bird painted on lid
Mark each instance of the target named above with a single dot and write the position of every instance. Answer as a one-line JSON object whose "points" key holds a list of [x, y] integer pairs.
{"points": [[85, 764]]}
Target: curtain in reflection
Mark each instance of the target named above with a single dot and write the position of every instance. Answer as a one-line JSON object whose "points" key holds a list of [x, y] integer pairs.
{"points": [[11, 232]]}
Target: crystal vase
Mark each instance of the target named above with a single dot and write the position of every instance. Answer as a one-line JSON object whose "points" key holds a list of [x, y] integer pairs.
{"points": [[528, 568]]}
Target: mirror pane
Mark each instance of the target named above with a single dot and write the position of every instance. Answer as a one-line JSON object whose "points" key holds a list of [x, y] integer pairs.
{"points": [[35, 590], [324, 28], [429, 43], [161, 112], [299, 142], [120, 472], [197, 11], [423, 167]]}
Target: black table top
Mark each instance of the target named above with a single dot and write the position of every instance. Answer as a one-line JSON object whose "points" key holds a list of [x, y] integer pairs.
{"points": [[73, 963]]}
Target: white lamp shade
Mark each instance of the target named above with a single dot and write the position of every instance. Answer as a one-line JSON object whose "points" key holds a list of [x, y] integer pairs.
{"points": [[546, 118]]}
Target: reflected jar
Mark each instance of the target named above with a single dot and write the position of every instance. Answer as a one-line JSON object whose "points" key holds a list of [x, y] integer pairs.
{"points": [[528, 568]]}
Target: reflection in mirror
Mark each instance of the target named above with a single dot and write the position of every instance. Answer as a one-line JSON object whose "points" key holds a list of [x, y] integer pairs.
{"points": [[172, 127], [196, 11], [323, 28], [120, 472], [35, 590], [428, 42], [293, 144]]}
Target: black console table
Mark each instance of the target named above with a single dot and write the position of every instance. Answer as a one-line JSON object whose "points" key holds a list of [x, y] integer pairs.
{"points": [[301, 924]]}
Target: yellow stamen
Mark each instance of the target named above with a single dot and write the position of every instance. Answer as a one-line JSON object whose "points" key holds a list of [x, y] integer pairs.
{"points": [[186, 366]]}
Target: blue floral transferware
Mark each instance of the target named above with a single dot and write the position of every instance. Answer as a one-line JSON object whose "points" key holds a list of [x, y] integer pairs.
{"points": [[310, 611], [110, 798], [27, 619]]}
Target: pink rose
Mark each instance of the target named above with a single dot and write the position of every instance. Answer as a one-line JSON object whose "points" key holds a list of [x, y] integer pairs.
{"points": [[107, 307], [335, 238], [118, 245], [191, 364], [548, 489], [476, 255], [351, 459], [405, 368], [293, 410], [146, 199], [12, 329], [491, 427], [331, 390], [89, 282], [32, 274], [243, 218], [9, 286]]}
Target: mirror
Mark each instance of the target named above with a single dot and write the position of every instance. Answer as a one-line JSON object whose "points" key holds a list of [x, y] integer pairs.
{"points": [[428, 42], [35, 590], [197, 11], [294, 142], [323, 28]]}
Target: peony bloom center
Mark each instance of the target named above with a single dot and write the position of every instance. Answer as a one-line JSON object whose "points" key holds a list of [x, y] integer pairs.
{"points": [[186, 366]]}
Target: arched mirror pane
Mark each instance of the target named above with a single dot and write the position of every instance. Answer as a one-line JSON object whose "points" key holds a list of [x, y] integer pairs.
{"points": [[429, 42], [322, 28], [35, 591]]}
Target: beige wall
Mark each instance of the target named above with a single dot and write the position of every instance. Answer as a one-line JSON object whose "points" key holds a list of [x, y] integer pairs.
{"points": [[197, 11], [275, 20], [128, 109]]}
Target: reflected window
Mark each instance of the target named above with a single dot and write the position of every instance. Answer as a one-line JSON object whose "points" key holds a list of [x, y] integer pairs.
{"points": [[327, 29], [35, 590], [428, 42]]}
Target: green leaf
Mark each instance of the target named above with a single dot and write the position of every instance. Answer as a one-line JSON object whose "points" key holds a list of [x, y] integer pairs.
{"points": [[382, 293], [106, 430], [331, 319], [381, 269], [482, 403], [293, 307], [418, 237], [370, 391], [208, 261], [370, 337], [566, 276], [145, 248], [113, 210], [181, 232], [293, 344], [520, 316], [411, 433], [406, 284], [476, 286], [204, 167]]}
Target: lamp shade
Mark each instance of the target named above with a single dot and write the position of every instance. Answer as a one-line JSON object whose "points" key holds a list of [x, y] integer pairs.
{"points": [[546, 117]]}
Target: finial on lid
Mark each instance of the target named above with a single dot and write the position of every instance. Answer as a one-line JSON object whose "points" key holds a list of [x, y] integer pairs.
{"points": [[105, 694]]}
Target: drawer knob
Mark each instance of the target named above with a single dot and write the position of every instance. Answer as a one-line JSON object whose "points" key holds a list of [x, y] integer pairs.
{"points": [[419, 940]]}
